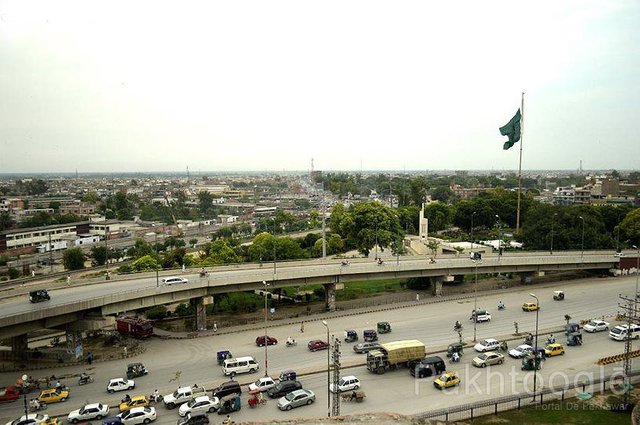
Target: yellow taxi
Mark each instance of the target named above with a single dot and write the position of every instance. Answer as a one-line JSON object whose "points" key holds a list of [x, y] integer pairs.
{"points": [[530, 307], [53, 395], [446, 380], [52, 421], [136, 401], [554, 350]]}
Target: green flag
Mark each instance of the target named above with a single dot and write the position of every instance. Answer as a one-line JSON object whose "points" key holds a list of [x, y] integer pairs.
{"points": [[512, 129]]}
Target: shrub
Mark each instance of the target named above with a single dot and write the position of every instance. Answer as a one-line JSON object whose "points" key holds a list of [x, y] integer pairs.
{"points": [[14, 273], [157, 312]]}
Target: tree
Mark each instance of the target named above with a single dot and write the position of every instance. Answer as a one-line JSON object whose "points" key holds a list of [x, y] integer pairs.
{"points": [[440, 215], [145, 264], [140, 248], [442, 194], [99, 254], [630, 227], [73, 259], [220, 252], [6, 221]]}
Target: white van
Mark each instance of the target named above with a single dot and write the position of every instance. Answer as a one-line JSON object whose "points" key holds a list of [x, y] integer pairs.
{"points": [[240, 365], [620, 333]]}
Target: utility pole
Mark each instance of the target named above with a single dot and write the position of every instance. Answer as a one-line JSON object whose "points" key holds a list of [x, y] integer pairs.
{"points": [[335, 410], [628, 305]]}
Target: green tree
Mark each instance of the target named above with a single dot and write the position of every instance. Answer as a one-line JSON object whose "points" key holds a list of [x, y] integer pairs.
{"points": [[99, 254], [145, 263], [440, 215], [140, 248], [6, 221], [220, 251], [73, 259], [442, 194], [630, 227]]}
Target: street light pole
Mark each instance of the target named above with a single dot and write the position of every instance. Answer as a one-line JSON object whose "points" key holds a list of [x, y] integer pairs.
{"points": [[326, 325], [499, 237], [266, 361], [474, 213], [582, 244], [635, 296], [274, 247], [535, 349], [156, 247], [475, 297], [25, 385]]}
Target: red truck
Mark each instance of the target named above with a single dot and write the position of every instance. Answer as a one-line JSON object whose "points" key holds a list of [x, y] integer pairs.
{"points": [[137, 328], [10, 393]]}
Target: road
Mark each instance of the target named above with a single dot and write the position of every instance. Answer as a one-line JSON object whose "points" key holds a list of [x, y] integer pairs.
{"points": [[393, 391]]}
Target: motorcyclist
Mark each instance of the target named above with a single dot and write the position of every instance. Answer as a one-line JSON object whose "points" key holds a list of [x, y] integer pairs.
{"points": [[156, 395], [551, 339], [290, 341], [458, 325], [500, 305], [58, 386], [455, 357], [84, 377], [126, 399], [227, 421], [34, 404]]}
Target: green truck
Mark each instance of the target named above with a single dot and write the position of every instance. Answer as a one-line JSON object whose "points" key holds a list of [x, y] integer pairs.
{"points": [[393, 354]]}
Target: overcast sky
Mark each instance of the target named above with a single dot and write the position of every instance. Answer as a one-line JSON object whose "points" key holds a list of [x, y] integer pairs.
{"points": [[268, 85]]}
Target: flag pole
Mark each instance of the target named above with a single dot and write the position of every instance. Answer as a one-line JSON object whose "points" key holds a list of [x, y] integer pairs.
{"points": [[520, 164]]}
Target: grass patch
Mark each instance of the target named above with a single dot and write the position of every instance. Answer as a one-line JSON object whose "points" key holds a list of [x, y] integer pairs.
{"points": [[353, 290], [567, 412]]}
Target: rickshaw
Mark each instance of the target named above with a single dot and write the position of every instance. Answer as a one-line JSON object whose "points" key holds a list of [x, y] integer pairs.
{"points": [[456, 347], [350, 336], [574, 338], [571, 328], [39, 296], [256, 398], [223, 355], [135, 370], [230, 403], [287, 375], [384, 327], [529, 362], [370, 335], [558, 295]]}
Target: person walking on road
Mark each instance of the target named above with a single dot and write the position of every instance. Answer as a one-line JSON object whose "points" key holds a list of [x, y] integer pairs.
{"points": [[215, 327], [301, 327], [68, 280]]}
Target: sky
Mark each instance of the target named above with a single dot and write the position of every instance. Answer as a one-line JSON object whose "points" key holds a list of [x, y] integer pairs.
{"points": [[268, 85]]}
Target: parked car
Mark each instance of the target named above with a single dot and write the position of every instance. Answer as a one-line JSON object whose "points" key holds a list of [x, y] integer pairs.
{"points": [[138, 415], [530, 307], [554, 350], [174, 280], [346, 383], [488, 344], [596, 326], [296, 398], [318, 344], [270, 340], [520, 351], [88, 412], [31, 419], [136, 401], [488, 359], [446, 380], [480, 316], [199, 405], [120, 384], [53, 395], [283, 388], [365, 347], [262, 384]]}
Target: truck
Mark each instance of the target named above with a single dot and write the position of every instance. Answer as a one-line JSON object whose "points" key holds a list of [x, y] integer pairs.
{"points": [[394, 354], [182, 395], [9, 393], [137, 328]]}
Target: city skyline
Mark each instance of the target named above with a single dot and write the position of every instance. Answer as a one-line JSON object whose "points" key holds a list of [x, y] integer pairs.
{"points": [[266, 87]]}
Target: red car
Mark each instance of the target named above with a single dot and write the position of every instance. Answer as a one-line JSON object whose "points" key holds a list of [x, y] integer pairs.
{"points": [[318, 344], [270, 340]]}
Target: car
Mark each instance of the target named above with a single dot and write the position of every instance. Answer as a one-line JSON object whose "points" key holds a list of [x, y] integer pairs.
{"points": [[318, 344], [284, 387], [554, 350], [31, 419], [174, 280], [488, 344], [227, 388], [200, 405], [270, 340], [446, 380], [296, 398], [488, 359], [88, 412], [197, 419], [120, 384], [428, 366], [596, 326], [619, 254], [520, 351], [346, 383], [530, 307], [480, 316], [262, 384], [365, 347], [138, 415], [53, 395], [136, 401]]}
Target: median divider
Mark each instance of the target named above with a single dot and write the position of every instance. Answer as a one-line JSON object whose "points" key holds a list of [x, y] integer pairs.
{"points": [[618, 358]]}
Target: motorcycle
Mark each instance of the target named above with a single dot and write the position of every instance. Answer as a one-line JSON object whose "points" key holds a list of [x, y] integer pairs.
{"points": [[380, 262], [204, 274], [156, 398], [455, 359], [85, 380], [501, 307], [344, 263], [550, 341], [292, 343], [35, 405], [457, 327]]}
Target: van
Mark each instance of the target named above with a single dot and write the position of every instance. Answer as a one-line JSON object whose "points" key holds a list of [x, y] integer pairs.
{"points": [[227, 388], [620, 333], [429, 366], [240, 365]]}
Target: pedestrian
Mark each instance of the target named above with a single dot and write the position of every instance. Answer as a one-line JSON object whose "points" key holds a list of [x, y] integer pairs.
{"points": [[33, 273], [184, 268], [417, 297], [215, 327], [90, 357], [125, 351], [302, 327], [68, 280]]}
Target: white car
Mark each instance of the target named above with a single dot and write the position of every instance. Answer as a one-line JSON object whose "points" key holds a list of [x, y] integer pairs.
{"points": [[346, 383], [488, 344], [596, 326], [88, 412], [138, 415], [173, 280], [120, 384], [480, 316], [262, 384], [520, 351], [31, 419], [200, 405]]}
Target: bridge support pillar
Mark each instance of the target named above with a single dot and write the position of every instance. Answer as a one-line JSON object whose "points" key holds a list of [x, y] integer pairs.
{"points": [[200, 305], [436, 284], [74, 342], [330, 296], [527, 277], [20, 346]]}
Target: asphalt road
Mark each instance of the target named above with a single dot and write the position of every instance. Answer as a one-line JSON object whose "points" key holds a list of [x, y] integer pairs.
{"points": [[393, 391]]}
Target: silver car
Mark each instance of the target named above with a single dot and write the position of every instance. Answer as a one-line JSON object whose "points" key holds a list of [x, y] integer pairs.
{"points": [[295, 399], [365, 347]]}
